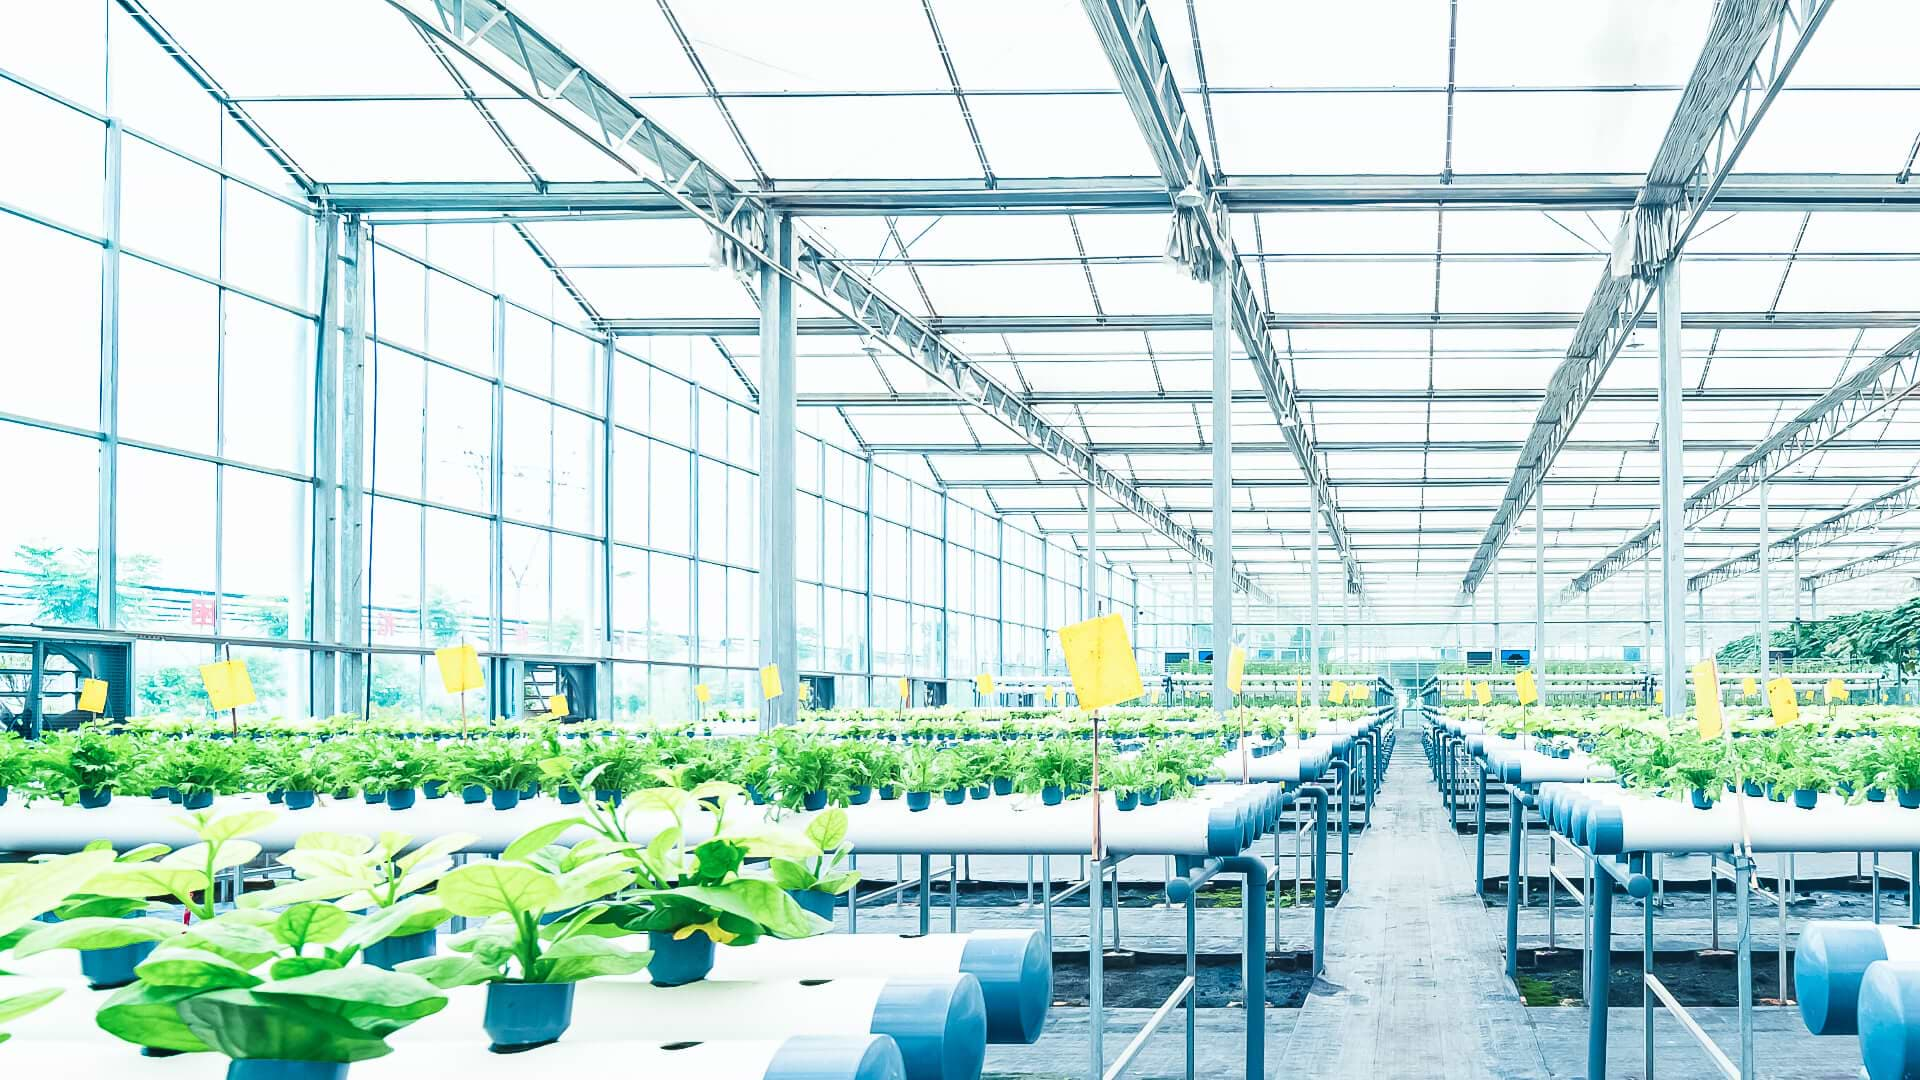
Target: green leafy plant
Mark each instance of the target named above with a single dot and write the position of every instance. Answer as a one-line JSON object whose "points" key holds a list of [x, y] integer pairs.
{"points": [[90, 759], [187, 875], [921, 770], [827, 832], [28, 890], [367, 873]]}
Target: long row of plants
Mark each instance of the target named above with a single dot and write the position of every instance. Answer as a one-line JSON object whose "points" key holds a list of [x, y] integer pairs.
{"points": [[792, 767], [323, 968]]}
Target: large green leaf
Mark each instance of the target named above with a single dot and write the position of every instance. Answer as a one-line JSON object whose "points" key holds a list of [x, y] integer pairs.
{"points": [[586, 957], [148, 1015], [290, 967], [451, 970], [322, 862], [342, 843], [772, 843], [409, 916], [717, 858], [231, 935], [12, 1008], [34, 888], [299, 892], [142, 880], [601, 877], [95, 906], [243, 1024], [435, 850], [367, 997], [538, 837], [224, 827], [312, 923], [828, 829], [757, 901], [669, 800], [198, 969], [496, 888], [230, 854], [789, 874], [94, 933]]}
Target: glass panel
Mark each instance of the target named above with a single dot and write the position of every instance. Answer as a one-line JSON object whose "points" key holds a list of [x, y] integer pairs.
{"points": [[48, 568], [264, 555], [168, 376], [49, 324], [165, 574]]}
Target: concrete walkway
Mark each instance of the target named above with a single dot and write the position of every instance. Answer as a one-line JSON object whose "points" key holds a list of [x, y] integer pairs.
{"points": [[1415, 987]]}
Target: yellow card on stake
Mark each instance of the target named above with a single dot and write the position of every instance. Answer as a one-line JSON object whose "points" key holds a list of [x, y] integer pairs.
{"points": [[1100, 660]]}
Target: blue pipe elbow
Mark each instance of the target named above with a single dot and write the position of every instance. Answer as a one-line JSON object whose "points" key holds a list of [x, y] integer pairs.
{"points": [[939, 1022], [1829, 964], [837, 1057]]}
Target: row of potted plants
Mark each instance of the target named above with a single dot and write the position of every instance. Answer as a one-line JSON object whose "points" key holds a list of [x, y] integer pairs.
{"points": [[1798, 762], [314, 974]]}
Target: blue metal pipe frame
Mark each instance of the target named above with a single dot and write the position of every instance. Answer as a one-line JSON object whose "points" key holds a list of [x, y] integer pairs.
{"points": [[1253, 957]]}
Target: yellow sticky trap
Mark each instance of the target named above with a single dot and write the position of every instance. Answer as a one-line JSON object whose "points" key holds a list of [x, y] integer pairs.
{"points": [[1047, 692], [906, 689], [806, 692], [1659, 695], [1524, 688], [1483, 693], [1100, 661], [1809, 697], [1153, 695], [770, 686], [1337, 692], [702, 693], [1236, 668], [1466, 688], [1748, 687], [983, 682], [1782, 700], [1836, 691], [1706, 697], [557, 707], [228, 685], [93, 696], [459, 668]]}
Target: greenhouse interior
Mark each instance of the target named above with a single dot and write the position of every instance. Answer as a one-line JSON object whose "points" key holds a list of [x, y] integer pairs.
{"points": [[537, 546]]}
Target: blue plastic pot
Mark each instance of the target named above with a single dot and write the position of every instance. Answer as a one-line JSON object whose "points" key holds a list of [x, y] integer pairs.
{"points": [[758, 797], [889, 792], [1701, 801], [814, 800], [339, 794], [401, 798], [163, 793], [531, 791], [110, 969], [568, 795], [1875, 794], [277, 796], [954, 796], [199, 800], [520, 1016], [919, 800], [1805, 798], [979, 791], [1126, 802], [1051, 795], [676, 963], [1002, 786], [506, 799], [95, 798], [473, 793], [391, 952], [861, 795], [1150, 797], [1909, 798], [815, 901], [265, 1069], [434, 789], [607, 795]]}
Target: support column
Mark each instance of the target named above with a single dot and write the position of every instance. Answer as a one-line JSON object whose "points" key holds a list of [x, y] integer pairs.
{"points": [[1091, 600], [1346, 622], [1646, 612], [1796, 583], [1313, 599], [1766, 620], [324, 670], [108, 536], [1222, 484], [349, 610], [778, 449], [1496, 613], [1673, 543], [1540, 588]]}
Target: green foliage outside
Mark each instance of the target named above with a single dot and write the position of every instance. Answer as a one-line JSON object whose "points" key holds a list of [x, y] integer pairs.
{"points": [[1884, 637]]}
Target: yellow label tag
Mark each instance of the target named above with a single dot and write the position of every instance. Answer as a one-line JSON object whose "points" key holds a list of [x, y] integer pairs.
{"points": [[1748, 687], [770, 686], [1781, 699], [1706, 697], [983, 682], [1660, 695], [93, 696], [806, 692], [459, 668], [1836, 691], [1466, 688], [1337, 692], [557, 707], [1236, 668], [1483, 693], [1047, 692], [702, 693], [1524, 688], [906, 689], [228, 685], [1153, 695], [1100, 661], [1809, 697], [1356, 694]]}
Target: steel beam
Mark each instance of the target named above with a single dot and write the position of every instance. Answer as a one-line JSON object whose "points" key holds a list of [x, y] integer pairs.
{"points": [[1203, 233], [495, 38], [1890, 378], [730, 326], [1394, 446], [1733, 82], [1901, 500], [853, 399], [1248, 193], [1890, 559], [779, 447]]}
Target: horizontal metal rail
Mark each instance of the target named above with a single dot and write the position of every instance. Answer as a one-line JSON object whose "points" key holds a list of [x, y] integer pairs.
{"points": [[1566, 884], [905, 885], [1720, 1059], [1755, 888], [1111, 870], [1888, 871], [1159, 1017]]}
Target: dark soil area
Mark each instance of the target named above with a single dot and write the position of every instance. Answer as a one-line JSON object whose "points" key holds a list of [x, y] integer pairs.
{"points": [[1133, 894], [1143, 980], [1695, 978], [1816, 898]]}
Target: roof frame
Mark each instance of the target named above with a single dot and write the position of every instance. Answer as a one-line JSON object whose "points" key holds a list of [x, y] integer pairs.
{"points": [[1203, 232], [1733, 83], [1904, 499], [547, 77]]}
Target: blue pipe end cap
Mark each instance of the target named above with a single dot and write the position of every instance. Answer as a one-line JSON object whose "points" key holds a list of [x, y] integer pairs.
{"points": [[837, 1057], [1510, 772], [1890, 1019], [1606, 833], [940, 1022], [1016, 982], [1829, 963], [1226, 834]]}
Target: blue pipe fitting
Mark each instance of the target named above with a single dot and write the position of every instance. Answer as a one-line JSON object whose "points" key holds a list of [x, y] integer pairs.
{"points": [[1830, 962], [1890, 1019], [1016, 982], [837, 1057], [939, 1022]]}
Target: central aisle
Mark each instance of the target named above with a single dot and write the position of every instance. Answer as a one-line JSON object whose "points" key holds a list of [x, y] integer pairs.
{"points": [[1414, 987]]}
